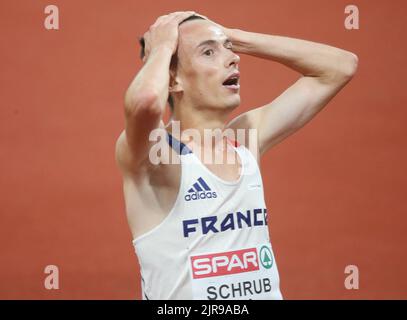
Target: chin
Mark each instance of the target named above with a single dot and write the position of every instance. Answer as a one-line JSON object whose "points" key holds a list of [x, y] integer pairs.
{"points": [[233, 106], [236, 100]]}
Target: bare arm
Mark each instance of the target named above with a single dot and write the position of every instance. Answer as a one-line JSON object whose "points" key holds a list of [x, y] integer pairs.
{"points": [[145, 99], [325, 71], [143, 108]]}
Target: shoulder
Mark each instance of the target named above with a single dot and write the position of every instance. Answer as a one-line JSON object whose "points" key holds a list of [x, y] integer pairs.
{"points": [[149, 169], [126, 160], [242, 134]]}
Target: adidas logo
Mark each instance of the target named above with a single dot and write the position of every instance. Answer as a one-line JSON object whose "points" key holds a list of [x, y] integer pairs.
{"points": [[200, 190]]}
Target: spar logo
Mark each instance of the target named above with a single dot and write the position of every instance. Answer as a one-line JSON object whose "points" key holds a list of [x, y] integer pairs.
{"points": [[266, 257], [225, 263]]}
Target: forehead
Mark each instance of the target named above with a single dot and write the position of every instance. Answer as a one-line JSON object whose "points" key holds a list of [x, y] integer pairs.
{"points": [[192, 33]]}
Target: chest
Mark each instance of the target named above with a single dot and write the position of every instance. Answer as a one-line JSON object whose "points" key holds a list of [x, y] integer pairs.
{"points": [[226, 165]]}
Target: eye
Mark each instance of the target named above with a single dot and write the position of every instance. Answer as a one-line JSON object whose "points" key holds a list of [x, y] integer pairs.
{"points": [[207, 51]]}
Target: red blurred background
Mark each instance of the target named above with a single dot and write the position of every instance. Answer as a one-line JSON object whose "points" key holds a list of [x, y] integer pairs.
{"points": [[336, 189]]}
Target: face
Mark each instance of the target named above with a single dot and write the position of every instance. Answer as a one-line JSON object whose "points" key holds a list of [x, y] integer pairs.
{"points": [[202, 68]]}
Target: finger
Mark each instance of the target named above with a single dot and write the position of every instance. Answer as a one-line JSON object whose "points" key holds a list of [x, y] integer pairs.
{"points": [[161, 18], [201, 15], [165, 19], [183, 15], [182, 12], [177, 16]]}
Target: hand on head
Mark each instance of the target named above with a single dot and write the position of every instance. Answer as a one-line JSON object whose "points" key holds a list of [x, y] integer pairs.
{"points": [[164, 32]]}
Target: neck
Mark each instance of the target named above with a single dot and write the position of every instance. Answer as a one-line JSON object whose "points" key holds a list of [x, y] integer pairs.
{"points": [[193, 127]]}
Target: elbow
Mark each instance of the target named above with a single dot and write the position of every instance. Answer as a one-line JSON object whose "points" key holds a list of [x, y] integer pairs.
{"points": [[344, 67], [147, 102], [349, 65]]}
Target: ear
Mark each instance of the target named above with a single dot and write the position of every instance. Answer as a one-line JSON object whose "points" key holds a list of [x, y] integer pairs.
{"points": [[175, 82]]}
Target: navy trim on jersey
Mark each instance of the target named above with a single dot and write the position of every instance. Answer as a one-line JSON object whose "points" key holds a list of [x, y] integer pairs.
{"points": [[178, 146], [143, 289]]}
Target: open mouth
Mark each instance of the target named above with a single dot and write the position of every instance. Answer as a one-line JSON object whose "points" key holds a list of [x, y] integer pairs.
{"points": [[232, 83]]}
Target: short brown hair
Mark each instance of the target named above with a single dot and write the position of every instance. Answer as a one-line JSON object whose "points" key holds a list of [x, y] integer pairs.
{"points": [[174, 58]]}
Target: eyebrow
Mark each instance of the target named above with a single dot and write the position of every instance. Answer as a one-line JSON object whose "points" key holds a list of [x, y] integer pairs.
{"points": [[210, 41]]}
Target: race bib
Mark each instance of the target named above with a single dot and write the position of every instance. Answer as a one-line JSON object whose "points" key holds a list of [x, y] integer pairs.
{"points": [[242, 274]]}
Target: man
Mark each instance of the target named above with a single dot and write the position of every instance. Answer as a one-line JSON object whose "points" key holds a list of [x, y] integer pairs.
{"points": [[200, 228]]}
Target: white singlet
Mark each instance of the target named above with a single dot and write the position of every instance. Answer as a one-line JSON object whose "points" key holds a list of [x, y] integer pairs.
{"points": [[214, 244]]}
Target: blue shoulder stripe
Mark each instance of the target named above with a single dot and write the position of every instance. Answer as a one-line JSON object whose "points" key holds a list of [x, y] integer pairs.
{"points": [[178, 146]]}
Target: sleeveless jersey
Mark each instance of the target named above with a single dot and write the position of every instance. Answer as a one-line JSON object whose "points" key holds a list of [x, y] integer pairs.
{"points": [[214, 244]]}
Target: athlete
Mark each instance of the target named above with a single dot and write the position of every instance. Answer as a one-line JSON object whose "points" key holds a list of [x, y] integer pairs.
{"points": [[200, 226]]}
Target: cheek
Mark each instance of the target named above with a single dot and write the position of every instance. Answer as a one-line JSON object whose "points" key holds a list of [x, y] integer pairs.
{"points": [[203, 76], [204, 79], [209, 77]]}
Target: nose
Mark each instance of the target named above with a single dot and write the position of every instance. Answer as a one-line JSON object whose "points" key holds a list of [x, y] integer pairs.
{"points": [[233, 59]]}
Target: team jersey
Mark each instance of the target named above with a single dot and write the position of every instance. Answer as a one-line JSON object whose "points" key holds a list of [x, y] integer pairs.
{"points": [[214, 244]]}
